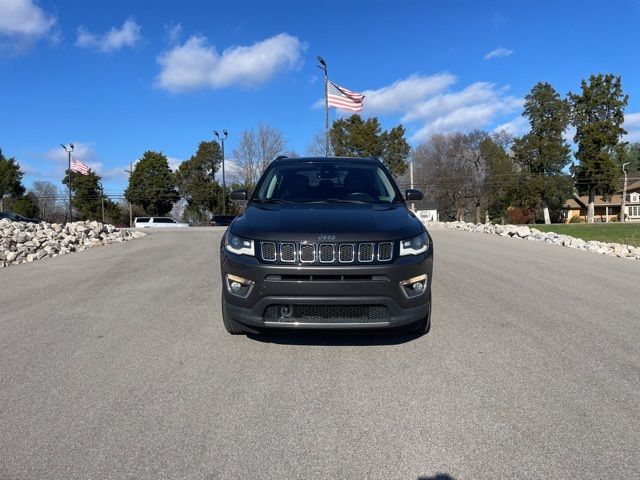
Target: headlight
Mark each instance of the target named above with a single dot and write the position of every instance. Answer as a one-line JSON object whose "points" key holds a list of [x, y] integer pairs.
{"points": [[238, 245], [415, 245]]}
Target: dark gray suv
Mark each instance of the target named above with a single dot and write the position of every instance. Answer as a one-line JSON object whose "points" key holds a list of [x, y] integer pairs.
{"points": [[326, 243]]}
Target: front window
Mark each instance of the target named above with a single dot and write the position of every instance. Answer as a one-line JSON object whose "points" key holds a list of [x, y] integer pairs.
{"points": [[327, 181]]}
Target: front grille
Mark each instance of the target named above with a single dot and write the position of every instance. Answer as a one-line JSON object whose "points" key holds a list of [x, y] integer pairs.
{"points": [[307, 253], [326, 313], [269, 251], [365, 252], [288, 252], [345, 252], [326, 253], [385, 251]]}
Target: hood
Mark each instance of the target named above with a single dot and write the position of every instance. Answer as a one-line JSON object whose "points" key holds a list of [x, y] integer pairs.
{"points": [[328, 222]]}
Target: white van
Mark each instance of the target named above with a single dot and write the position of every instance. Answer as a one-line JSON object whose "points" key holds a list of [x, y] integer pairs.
{"points": [[148, 222]]}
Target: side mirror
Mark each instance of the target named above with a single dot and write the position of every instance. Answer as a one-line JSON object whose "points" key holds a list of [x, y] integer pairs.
{"points": [[413, 195], [240, 195]]}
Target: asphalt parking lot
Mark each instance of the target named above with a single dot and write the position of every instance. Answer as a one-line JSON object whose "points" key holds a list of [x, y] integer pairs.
{"points": [[114, 364]]}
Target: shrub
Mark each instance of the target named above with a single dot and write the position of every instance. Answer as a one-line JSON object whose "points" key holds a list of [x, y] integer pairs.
{"points": [[577, 219]]}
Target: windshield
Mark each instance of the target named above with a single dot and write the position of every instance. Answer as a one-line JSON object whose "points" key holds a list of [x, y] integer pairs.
{"points": [[326, 181]]}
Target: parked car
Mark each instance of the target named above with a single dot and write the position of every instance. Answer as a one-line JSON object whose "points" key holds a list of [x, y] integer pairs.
{"points": [[221, 220], [326, 243], [16, 217], [147, 222]]}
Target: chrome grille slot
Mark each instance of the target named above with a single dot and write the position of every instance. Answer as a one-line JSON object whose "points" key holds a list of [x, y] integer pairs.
{"points": [[307, 253], [346, 252], [327, 253], [365, 252], [288, 252], [385, 251], [268, 251]]}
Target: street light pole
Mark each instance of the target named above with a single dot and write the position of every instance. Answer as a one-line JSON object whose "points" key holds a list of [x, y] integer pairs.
{"points": [[624, 192], [323, 67], [69, 150], [130, 171], [224, 182]]}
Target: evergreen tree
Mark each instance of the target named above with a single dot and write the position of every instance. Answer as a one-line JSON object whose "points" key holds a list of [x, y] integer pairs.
{"points": [[543, 152], [152, 184], [355, 137], [598, 115], [195, 180], [85, 195], [501, 178], [10, 178], [25, 205]]}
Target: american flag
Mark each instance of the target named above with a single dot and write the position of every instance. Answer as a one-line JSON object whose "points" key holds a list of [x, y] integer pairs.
{"points": [[340, 97], [78, 166]]}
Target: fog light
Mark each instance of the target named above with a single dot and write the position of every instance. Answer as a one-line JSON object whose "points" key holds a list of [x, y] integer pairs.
{"points": [[415, 286], [285, 311], [239, 286]]}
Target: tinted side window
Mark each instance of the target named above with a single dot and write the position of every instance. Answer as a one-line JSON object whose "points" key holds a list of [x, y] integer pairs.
{"points": [[163, 220], [142, 219]]}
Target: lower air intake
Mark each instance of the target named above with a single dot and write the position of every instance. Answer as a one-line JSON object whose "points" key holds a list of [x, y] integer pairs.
{"points": [[326, 313]]}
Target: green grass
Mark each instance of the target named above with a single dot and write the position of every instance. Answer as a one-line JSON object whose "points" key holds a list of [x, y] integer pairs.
{"points": [[612, 232]]}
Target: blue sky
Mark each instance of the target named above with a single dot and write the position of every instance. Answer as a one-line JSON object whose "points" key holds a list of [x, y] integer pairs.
{"points": [[121, 77]]}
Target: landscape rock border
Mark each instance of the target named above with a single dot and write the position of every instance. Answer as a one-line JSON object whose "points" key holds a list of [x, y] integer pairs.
{"points": [[524, 232], [22, 242]]}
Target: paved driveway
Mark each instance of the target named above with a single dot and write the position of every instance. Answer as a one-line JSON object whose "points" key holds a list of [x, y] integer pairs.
{"points": [[114, 364]]}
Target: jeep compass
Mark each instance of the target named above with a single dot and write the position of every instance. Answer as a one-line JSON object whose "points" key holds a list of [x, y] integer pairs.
{"points": [[326, 243]]}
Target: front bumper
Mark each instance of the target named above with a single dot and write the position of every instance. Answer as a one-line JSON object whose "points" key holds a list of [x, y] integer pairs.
{"points": [[310, 285]]}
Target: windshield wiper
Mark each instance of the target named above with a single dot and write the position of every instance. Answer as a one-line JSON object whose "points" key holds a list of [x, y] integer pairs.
{"points": [[344, 200], [270, 200]]}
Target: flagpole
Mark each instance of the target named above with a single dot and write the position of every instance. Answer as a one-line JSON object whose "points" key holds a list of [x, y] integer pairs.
{"points": [[69, 150], [323, 66]]}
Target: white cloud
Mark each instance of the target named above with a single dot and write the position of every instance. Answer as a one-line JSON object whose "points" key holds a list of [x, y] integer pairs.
{"points": [[195, 64], [476, 106], [498, 52], [24, 20], [632, 126], [403, 93], [516, 127], [174, 31], [115, 39]]}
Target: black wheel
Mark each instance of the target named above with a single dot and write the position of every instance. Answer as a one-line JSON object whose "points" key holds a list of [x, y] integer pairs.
{"points": [[423, 326], [234, 328]]}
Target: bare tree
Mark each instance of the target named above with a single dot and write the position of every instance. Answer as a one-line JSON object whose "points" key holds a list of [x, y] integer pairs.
{"points": [[271, 144], [317, 146], [443, 169], [256, 151], [245, 158], [47, 195]]}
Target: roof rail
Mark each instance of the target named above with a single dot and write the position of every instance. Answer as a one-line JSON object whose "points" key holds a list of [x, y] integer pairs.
{"points": [[280, 157]]}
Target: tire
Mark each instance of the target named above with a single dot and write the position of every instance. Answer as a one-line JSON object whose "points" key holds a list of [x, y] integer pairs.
{"points": [[423, 326], [232, 327]]}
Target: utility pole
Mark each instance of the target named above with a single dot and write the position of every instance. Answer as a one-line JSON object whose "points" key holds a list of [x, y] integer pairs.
{"points": [[624, 192], [224, 182], [130, 171], [69, 150], [413, 205], [102, 200], [323, 67]]}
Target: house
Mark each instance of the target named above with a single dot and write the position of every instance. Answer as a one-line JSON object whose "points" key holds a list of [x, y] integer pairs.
{"points": [[428, 211], [606, 210]]}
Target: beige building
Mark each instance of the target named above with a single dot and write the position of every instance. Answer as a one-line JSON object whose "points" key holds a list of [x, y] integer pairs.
{"points": [[606, 210]]}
